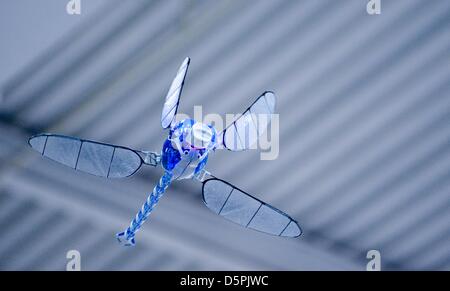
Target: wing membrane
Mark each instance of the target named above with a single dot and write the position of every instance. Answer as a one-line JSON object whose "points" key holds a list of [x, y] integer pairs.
{"points": [[240, 207], [99, 159], [244, 132], [173, 96]]}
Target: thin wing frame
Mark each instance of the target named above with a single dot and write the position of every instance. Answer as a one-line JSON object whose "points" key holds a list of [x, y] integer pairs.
{"points": [[246, 210], [244, 132], [173, 95], [92, 157]]}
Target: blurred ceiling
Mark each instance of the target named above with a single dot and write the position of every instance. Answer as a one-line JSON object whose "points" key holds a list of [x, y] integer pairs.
{"points": [[364, 106]]}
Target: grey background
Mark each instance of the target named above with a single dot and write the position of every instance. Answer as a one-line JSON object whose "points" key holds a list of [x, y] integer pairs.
{"points": [[364, 118]]}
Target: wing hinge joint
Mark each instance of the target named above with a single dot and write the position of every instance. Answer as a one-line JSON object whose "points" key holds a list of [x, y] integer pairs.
{"points": [[150, 158], [202, 176]]}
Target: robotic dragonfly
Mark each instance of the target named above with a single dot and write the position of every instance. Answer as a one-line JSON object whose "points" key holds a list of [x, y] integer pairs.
{"points": [[184, 156]]}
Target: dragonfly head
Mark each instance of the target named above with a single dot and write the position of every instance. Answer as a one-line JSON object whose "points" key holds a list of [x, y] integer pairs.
{"points": [[186, 149]]}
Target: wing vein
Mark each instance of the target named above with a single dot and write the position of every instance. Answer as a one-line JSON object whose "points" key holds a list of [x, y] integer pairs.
{"points": [[220, 211], [290, 220], [78, 156], [110, 162], [45, 144], [170, 94], [170, 111], [260, 205]]}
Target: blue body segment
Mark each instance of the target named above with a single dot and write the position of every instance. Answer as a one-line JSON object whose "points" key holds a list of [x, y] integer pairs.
{"points": [[170, 156], [185, 152]]}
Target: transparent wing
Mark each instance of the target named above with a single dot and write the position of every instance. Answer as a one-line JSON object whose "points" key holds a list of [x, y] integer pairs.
{"points": [[173, 96], [244, 132], [92, 157], [240, 207]]}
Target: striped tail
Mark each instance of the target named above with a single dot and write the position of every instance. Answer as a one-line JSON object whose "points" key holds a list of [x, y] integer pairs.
{"points": [[127, 237]]}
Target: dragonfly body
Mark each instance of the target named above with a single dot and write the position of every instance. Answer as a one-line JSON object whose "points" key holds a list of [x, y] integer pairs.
{"points": [[183, 156], [185, 152]]}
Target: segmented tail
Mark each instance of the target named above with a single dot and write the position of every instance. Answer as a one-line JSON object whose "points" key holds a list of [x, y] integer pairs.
{"points": [[127, 237]]}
